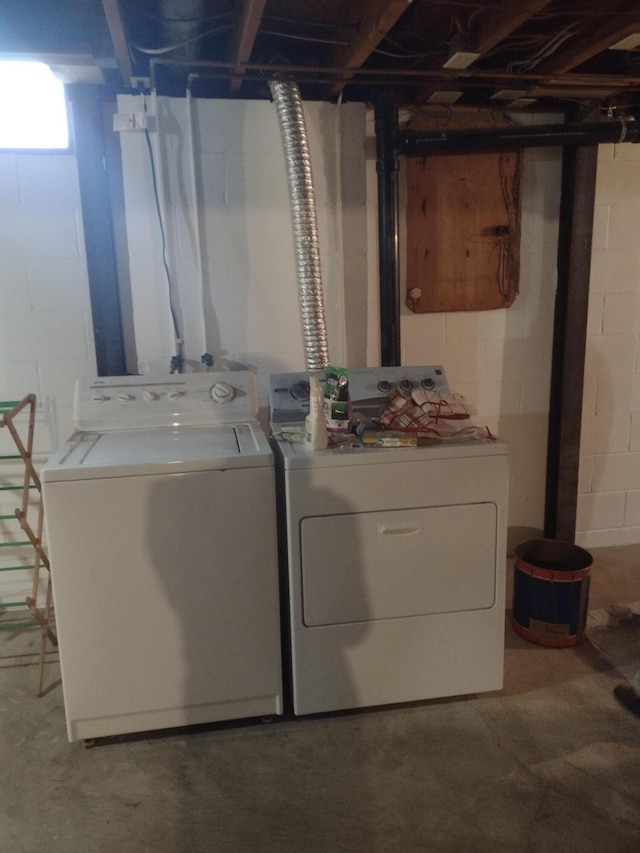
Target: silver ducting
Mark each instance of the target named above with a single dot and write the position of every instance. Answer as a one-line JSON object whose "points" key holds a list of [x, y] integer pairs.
{"points": [[286, 97]]}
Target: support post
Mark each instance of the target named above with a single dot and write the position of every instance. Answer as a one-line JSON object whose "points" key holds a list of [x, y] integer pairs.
{"points": [[386, 125], [569, 340]]}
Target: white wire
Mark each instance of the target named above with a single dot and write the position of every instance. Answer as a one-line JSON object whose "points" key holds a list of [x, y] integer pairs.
{"points": [[162, 208], [197, 223]]}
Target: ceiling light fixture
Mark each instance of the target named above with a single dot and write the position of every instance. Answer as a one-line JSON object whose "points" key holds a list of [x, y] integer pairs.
{"points": [[461, 54], [508, 94], [628, 43], [521, 103], [442, 96]]}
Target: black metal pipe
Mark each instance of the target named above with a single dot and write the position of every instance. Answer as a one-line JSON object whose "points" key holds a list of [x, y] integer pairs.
{"points": [[414, 143], [579, 167], [386, 126]]}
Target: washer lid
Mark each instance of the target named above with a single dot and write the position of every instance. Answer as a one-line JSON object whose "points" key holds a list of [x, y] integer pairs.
{"points": [[92, 455]]}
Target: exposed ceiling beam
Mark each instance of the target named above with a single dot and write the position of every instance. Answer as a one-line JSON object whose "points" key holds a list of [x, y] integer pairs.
{"points": [[587, 46], [378, 18], [116, 29], [245, 36], [496, 24], [501, 22]]}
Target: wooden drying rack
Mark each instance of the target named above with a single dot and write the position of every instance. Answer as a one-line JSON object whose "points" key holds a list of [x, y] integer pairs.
{"points": [[40, 614]]}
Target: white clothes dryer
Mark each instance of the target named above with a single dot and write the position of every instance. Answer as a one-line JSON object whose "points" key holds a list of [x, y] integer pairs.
{"points": [[161, 521], [394, 557]]}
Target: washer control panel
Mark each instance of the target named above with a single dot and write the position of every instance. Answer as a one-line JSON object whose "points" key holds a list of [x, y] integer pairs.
{"points": [[181, 399], [369, 389]]}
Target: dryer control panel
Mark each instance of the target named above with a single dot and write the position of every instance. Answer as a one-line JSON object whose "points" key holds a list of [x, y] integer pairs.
{"points": [[182, 399], [369, 388]]}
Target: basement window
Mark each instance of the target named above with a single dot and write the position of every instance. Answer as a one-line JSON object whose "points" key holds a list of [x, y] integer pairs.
{"points": [[33, 107]]}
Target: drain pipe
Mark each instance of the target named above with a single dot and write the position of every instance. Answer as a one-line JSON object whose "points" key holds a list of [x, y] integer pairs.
{"points": [[414, 143], [288, 103], [386, 127]]}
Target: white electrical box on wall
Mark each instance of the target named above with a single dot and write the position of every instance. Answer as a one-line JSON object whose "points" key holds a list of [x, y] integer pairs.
{"points": [[137, 120]]}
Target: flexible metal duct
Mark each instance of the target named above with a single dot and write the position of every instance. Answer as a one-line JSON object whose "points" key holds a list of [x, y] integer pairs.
{"points": [[286, 97]]}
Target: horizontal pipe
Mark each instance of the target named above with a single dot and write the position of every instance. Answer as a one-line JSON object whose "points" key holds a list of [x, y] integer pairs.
{"points": [[414, 143], [240, 68]]}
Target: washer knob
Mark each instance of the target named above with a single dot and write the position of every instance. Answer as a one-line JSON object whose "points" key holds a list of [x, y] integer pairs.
{"points": [[174, 395], [405, 385], [147, 394], [124, 397], [222, 392], [384, 386], [428, 384], [98, 398]]}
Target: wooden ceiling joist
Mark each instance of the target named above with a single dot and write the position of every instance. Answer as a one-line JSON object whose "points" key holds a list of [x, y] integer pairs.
{"points": [[378, 17], [118, 38], [499, 23], [583, 48], [248, 26]]}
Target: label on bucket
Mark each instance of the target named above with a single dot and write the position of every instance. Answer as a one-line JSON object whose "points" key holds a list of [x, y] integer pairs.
{"points": [[548, 630]]}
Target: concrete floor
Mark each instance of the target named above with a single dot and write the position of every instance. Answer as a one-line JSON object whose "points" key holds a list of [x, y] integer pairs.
{"points": [[551, 762]]}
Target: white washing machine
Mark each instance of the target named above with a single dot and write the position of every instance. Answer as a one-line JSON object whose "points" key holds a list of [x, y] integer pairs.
{"points": [[161, 525], [394, 557]]}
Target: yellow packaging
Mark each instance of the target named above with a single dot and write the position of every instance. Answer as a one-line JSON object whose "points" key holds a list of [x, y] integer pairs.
{"points": [[388, 438]]}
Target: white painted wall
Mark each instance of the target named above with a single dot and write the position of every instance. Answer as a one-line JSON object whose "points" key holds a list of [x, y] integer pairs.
{"points": [[224, 199], [500, 360], [46, 333], [609, 489]]}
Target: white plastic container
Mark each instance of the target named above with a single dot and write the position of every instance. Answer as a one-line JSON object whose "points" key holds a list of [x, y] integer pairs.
{"points": [[316, 436]]}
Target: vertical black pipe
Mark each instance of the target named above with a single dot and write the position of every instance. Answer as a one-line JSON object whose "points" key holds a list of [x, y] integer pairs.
{"points": [[569, 340], [87, 107], [386, 126]]}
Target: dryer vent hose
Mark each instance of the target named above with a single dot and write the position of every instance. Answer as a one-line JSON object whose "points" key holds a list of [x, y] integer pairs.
{"points": [[288, 103]]}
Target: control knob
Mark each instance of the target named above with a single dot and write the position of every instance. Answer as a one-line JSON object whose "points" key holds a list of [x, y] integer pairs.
{"points": [[405, 385], [222, 392], [174, 395], [428, 384], [125, 397], [384, 386], [300, 390], [147, 394], [98, 397]]}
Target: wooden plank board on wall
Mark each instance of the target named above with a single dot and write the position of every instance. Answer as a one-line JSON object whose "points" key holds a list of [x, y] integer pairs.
{"points": [[462, 231]]}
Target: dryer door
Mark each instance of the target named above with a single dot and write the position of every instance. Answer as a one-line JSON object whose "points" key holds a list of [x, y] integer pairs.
{"points": [[383, 565]]}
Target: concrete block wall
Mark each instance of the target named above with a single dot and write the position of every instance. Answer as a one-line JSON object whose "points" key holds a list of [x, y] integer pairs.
{"points": [[224, 196], [499, 360], [609, 485], [46, 332]]}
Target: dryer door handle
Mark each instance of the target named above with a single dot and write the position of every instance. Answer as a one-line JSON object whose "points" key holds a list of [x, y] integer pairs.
{"points": [[408, 530]]}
